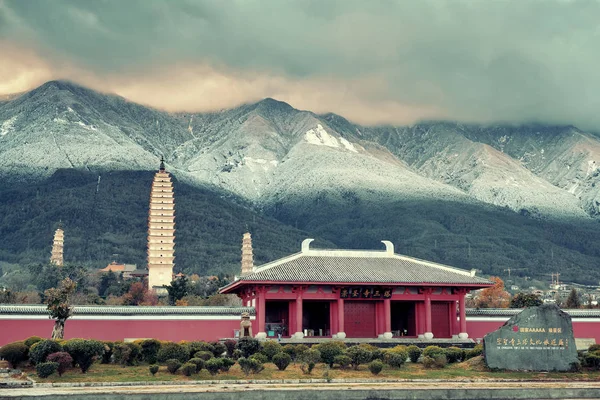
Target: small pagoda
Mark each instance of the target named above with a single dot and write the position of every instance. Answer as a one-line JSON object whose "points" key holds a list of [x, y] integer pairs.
{"points": [[161, 231], [57, 256]]}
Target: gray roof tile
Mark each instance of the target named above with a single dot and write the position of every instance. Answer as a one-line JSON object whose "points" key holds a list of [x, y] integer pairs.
{"points": [[351, 269]]}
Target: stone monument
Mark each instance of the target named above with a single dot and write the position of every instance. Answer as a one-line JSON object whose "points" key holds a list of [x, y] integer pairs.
{"points": [[245, 326], [536, 339]]}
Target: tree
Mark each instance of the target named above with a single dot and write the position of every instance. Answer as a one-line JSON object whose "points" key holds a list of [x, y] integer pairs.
{"points": [[59, 305], [573, 299], [494, 296], [178, 289], [7, 296], [522, 300]]}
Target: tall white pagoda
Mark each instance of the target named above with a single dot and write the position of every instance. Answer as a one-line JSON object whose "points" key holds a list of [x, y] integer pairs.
{"points": [[247, 256], [161, 231]]}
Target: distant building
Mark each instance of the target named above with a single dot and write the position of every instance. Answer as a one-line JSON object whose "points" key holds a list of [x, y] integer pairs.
{"points": [[126, 269], [57, 256], [161, 231]]}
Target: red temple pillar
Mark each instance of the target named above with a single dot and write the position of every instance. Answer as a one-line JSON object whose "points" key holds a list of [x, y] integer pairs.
{"points": [[340, 308], [261, 313], [428, 330], [463, 315], [387, 318], [299, 331], [453, 319]]}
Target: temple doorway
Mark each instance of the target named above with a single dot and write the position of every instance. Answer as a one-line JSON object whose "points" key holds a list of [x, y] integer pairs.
{"points": [[359, 319], [403, 319], [315, 318], [440, 317], [277, 318]]}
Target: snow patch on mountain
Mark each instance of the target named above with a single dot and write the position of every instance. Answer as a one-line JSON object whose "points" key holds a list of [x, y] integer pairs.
{"points": [[7, 126]]}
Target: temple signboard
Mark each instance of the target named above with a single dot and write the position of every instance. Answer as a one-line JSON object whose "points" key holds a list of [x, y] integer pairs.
{"points": [[536, 339]]}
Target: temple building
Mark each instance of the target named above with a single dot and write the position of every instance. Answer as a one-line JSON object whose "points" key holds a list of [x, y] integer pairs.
{"points": [[357, 294], [161, 231], [58, 245]]}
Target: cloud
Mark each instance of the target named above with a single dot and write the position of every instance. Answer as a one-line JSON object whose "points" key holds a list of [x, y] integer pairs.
{"points": [[373, 62]]}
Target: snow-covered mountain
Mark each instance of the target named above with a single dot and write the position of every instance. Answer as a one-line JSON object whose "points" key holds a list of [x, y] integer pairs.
{"points": [[270, 153]]}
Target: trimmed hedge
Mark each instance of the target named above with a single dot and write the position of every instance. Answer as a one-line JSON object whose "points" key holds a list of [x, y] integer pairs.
{"points": [[375, 367], [282, 360], [84, 352], [40, 350], [330, 350], [173, 365], [169, 351], [226, 363], [188, 369], [270, 348], [14, 353], [30, 341], [198, 362], [414, 352], [214, 365], [45, 369], [149, 350], [248, 346], [153, 369]]}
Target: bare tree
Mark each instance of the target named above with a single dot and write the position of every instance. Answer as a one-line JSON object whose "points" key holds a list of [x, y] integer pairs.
{"points": [[59, 305]]}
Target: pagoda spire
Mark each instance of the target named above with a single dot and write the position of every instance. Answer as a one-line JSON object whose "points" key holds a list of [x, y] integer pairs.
{"points": [[162, 164]]}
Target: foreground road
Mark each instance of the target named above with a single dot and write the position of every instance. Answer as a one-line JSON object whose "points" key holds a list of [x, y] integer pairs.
{"points": [[321, 391]]}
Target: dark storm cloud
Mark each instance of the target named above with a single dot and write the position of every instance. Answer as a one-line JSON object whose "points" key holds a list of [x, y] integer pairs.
{"points": [[467, 60]]}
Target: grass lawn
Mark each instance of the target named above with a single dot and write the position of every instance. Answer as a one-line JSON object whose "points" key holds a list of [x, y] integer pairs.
{"points": [[463, 371]]}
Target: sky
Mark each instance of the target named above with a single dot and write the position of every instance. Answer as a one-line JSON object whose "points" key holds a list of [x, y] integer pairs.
{"points": [[374, 62]]}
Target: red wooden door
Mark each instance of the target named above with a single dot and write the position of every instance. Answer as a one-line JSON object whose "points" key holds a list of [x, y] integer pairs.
{"points": [[359, 319], [440, 319]]}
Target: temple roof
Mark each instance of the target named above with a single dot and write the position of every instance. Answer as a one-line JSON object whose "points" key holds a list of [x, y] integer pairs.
{"points": [[358, 267]]}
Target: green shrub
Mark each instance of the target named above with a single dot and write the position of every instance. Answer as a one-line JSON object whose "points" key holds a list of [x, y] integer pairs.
{"points": [[188, 369], [290, 349], [171, 350], [248, 346], [282, 360], [260, 357], [343, 361], [226, 363], [270, 348], [84, 352], [149, 350], [593, 348], [218, 348], [250, 365], [428, 362], [198, 362], [330, 350], [396, 357], [592, 360], [200, 346], [375, 367], [309, 359], [153, 369], [433, 351], [40, 350], [440, 360], [359, 355], [45, 369], [230, 346], [237, 353], [108, 352], [121, 353], [63, 359], [414, 352], [300, 349], [455, 354], [205, 355], [14, 353], [474, 352], [376, 352], [30, 341], [173, 365], [213, 365]]}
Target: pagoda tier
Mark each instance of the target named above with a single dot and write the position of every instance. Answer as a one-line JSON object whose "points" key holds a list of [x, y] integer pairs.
{"points": [[161, 231]]}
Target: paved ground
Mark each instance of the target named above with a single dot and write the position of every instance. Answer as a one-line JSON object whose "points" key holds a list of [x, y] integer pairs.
{"points": [[165, 389]]}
